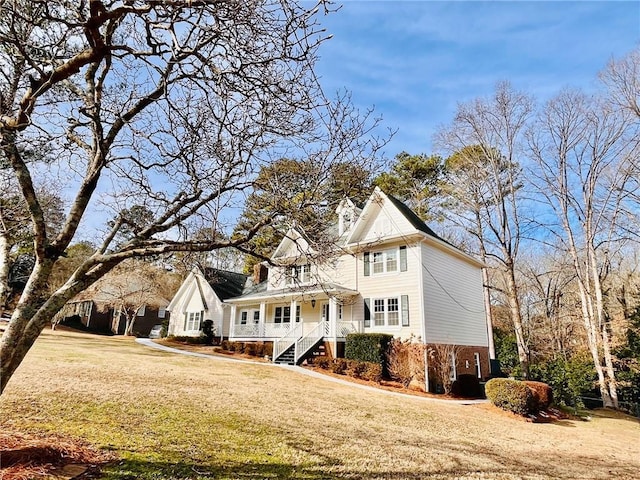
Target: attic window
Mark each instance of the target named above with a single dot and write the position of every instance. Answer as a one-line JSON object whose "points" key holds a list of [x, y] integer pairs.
{"points": [[299, 274]]}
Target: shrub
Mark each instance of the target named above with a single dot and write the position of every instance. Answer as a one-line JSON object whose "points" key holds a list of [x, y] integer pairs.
{"points": [[355, 368], [368, 347], [268, 350], [207, 331], [372, 372], [224, 344], [231, 346], [467, 386], [250, 349], [405, 361], [259, 349], [542, 394], [190, 340], [339, 365], [511, 395], [323, 362], [569, 379]]}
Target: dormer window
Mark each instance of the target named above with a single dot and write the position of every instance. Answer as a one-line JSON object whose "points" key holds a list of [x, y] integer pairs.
{"points": [[299, 274]]}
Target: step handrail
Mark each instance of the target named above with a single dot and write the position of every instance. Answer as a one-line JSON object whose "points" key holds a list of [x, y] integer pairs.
{"points": [[304, 344], [286, 341]]}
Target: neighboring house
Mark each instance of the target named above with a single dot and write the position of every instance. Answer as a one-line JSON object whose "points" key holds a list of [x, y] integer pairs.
{"points": [[390, 274], [125, 297], [200, 298]]}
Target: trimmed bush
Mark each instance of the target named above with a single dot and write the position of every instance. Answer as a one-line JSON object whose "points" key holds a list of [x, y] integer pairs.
{"points": [[368, 347], [542, 394], [511, 395], [201, 340], [224, 344], [467, 386], [259, 349], [268, 350]]}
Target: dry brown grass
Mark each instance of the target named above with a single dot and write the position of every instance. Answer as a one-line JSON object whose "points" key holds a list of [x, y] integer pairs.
{"points": [[170, 416]]}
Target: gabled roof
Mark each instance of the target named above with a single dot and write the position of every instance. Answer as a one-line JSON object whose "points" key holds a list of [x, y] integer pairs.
{"points": [[225, 284], [414, 219], [294, 239]]}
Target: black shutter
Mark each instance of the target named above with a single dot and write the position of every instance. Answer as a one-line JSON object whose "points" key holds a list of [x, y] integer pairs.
{"points": [[403, 258], [367, 312], [404, 307], [367, 264]]}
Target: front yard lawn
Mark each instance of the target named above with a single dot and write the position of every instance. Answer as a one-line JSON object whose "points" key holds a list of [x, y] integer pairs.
{"points": [[166, 416]]}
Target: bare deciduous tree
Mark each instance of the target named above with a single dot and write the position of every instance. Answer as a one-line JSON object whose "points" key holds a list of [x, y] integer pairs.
{"points": [[405, 360], [584, 151], [169, 106], [484, 188], [441, 358]]}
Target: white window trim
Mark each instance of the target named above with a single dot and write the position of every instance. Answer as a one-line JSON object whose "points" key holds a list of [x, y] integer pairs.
{"points": [[452, 359], [162, 312], [385, 260], [299, 274], [476, 357], [252, 316], [282, 316], [193, 319], [385, 312]]}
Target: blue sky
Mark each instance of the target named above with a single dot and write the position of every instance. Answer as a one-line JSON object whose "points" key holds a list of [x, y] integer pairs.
{"points": [[415, 60]]}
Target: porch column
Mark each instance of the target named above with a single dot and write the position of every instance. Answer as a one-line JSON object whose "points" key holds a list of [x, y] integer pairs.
{"points": [[232, 321], [333, 323], [263, 319], [293, 324]]}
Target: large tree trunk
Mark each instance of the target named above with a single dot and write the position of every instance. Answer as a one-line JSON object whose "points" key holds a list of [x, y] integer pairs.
{"points": [[29, 318], [487, 306], [5, 266], [516, 318]]}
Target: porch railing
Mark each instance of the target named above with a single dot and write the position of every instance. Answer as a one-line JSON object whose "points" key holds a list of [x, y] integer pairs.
{"points": [[281, 345], [345, 328], [309, 340], [268, 330]]}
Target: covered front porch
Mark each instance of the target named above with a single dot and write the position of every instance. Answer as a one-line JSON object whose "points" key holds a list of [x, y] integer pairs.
{"points": [[290, 318]]}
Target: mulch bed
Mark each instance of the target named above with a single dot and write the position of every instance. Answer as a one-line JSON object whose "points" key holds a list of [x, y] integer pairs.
{"points": [[33, 456]]}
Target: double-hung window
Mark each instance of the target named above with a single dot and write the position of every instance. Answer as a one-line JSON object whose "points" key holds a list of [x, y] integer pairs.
{"points": [[282, 315], [246, 315], [192, 320], [385, 261], [299, 274], [378, 312], [386, 312]]}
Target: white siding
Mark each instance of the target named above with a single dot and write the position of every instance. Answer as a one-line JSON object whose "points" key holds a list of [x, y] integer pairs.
{"points": [[453, 301], [392, 284], [384, 221], [188, 299]]}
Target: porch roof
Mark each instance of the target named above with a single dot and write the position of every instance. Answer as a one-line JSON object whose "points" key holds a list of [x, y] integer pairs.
{"points": [[313, 291]]}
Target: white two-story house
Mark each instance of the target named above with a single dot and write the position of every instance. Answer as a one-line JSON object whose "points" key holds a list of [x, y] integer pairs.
{"points": [[388, 273]]}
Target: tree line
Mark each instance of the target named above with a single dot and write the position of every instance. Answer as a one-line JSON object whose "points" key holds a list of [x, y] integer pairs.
{"points": [[171, 117]]}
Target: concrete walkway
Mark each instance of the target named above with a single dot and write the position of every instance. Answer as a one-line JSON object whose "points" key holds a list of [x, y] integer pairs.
{"points": [[303, 371]]}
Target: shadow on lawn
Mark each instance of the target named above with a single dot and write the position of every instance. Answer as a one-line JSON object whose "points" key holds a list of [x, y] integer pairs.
{"points": [[135, 469]]}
